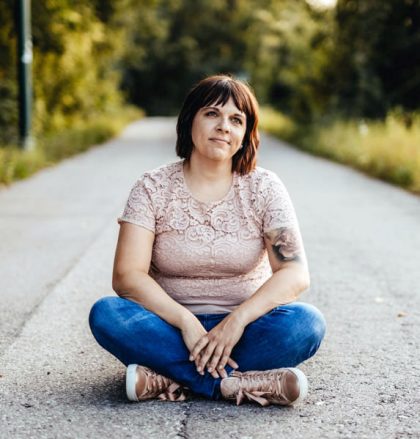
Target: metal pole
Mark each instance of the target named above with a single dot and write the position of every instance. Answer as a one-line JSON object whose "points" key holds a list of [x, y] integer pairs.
{"points": [[25, 72]]}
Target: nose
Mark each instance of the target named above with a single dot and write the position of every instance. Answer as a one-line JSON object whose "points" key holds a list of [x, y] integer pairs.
{"points": [[223, 125]]}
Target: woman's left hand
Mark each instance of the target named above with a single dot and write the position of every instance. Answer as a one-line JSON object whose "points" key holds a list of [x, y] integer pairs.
{"points": [[213, 350]]}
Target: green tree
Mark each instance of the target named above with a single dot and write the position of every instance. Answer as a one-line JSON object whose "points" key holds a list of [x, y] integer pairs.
{"points": [[8, 86], [176, 43], [74, 63], [375, 63], [287, 56], [76, 72]]}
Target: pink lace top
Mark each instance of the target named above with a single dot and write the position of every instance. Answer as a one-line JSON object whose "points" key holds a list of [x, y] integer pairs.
{"points": [[209, 257]]}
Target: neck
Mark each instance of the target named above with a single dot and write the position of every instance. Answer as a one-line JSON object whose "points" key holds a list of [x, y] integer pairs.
{"points": [[205, 170]]}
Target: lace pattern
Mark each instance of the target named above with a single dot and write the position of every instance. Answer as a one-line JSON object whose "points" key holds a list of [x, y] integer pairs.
{"points": [[209, 253]]}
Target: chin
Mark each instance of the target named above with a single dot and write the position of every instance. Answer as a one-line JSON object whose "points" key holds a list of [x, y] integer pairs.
{"points": [[219, 157]]}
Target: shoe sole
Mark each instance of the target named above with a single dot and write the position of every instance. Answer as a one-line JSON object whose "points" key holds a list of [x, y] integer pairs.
{"points": [[130, 382], [303, 384]]}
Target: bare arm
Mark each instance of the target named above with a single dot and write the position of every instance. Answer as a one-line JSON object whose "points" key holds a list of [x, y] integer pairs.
{"points": [[290, 275], [131, 280]]}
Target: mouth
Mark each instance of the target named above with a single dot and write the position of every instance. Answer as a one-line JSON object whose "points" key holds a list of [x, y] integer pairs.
{"points": [[220, 140]]}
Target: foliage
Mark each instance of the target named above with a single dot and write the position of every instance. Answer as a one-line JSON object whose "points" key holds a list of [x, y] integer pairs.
{"points": [[277, 123], [309, 63], [388, 149], [375, 61], [8, 86], [74, 54], [360, 60], [77, 47], [288, 56], [176, 43], [16, 164]]}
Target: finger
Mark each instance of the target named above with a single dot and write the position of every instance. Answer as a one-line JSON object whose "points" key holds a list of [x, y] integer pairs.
{"points": [[223, 373], [233, 363], [199, 346], [198, 359], [215, 359], [223, 360], [216, 375], [206, 355], [217, 372]]}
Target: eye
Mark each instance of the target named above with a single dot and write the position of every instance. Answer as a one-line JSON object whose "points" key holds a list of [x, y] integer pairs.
{"points": [[209, 113], [237, 120]]}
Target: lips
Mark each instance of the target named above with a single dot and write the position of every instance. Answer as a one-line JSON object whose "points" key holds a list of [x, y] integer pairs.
{"points": [[220, 140]]}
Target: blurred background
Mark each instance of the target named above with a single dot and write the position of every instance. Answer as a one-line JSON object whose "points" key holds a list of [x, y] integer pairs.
{"points": [[336, 78]]}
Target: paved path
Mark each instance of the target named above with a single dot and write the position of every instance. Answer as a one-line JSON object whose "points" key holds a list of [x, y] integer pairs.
{"points": [[58, 232]]}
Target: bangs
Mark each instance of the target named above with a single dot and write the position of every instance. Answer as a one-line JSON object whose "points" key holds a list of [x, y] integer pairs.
{"points": [[221, 91]]}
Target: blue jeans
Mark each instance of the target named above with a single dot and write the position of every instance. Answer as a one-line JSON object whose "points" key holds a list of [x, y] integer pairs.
{"points": [[284, 337]]}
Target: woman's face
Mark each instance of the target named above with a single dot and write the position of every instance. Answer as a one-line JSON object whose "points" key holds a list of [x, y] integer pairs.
{"points": [[217, 131]]}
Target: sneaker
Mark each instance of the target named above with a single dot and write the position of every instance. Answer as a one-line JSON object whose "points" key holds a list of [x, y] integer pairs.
{"points": [[143, 383], [277, 386]]}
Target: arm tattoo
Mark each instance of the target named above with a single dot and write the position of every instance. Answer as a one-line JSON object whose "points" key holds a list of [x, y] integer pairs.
{"points": [[285, 243]]}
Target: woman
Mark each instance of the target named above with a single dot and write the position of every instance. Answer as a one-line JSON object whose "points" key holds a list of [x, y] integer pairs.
{"points": [[208, 266]]}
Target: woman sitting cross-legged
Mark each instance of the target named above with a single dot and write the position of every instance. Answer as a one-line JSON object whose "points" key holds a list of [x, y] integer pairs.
{"points": [[208, 266]]}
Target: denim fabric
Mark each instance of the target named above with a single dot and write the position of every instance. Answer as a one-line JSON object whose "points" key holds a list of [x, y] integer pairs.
{"points": [[284, 337]]}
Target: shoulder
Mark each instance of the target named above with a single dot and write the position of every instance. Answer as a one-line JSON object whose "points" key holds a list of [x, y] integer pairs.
{"points": [[163, 172], [261, 180], [159, 178]]}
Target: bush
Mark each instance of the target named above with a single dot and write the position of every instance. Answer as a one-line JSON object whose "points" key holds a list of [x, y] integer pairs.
{"points": [[389, 149], [16, 164]]}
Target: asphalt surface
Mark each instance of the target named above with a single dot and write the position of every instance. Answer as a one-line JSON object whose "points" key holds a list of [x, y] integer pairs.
{"points": [[58, 232]]}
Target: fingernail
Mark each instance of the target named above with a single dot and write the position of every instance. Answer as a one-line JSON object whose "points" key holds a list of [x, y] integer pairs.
{"points": [[210, 369], [191, 358]]}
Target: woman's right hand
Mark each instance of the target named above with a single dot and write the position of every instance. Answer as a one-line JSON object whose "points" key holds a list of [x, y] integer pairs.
{"points": [[192, 331]]}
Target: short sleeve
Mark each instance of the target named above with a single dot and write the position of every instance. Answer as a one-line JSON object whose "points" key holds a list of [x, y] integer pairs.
{"points": [[139, 207], [279, 210]]}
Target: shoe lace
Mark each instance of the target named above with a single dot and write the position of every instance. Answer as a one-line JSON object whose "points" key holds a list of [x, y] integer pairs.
{"points": [[163, 388], [260, 386]]}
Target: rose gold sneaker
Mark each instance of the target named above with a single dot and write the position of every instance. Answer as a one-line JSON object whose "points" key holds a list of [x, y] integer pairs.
{"points": [[143, 383], [284, 386]]}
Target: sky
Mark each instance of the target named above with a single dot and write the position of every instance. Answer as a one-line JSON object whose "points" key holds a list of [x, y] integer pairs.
{"points": [[322, 3]]}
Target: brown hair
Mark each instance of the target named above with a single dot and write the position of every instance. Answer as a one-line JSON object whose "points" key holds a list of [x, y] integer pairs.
{"points": [[217, 90]]}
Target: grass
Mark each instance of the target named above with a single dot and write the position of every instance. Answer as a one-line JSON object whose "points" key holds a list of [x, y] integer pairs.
{"points": [[388, 150], [17, 164]]}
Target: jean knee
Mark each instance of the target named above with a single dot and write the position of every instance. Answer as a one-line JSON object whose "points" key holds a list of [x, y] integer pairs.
{"points": [[311, 322], [315, 326], [99, 314]]}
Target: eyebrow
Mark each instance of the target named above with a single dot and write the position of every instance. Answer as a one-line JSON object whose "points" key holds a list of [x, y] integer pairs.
{"points": [[215, 108]]}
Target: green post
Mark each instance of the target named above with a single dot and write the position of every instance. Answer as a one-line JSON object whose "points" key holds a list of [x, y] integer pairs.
{"points": [[25, 72]]}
